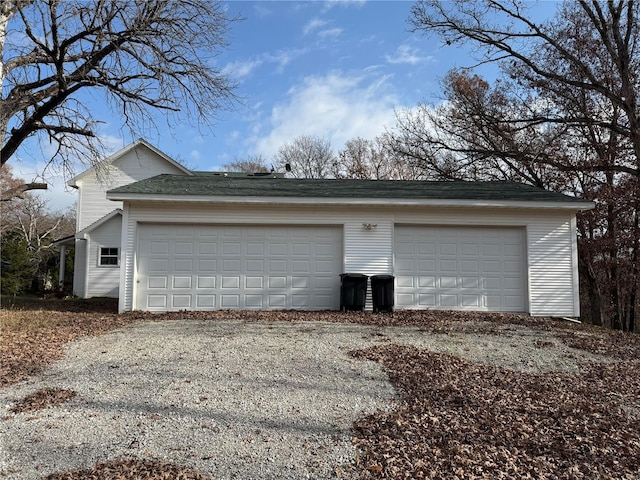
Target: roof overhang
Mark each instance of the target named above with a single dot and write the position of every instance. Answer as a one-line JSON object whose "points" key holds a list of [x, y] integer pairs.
{"points": [[335, 201], [69, 241]]}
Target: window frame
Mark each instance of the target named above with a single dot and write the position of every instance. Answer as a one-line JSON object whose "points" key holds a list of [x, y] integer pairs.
{"points": [[107, 253]]}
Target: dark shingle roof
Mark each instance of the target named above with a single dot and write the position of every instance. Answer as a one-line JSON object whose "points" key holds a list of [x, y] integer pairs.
{"points": [[234, 186]]}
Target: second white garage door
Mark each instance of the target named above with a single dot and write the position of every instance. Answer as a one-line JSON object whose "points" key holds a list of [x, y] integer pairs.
{"points": [[199, 267], [460, 268]]}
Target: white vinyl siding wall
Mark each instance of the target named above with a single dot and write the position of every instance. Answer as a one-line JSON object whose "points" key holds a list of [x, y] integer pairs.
{"points": [[80, 269], [103, 281], [370, 251], [551, 268]]}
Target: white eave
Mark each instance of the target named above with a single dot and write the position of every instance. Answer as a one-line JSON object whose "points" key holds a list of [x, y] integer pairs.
{"points": [[337, 201]]}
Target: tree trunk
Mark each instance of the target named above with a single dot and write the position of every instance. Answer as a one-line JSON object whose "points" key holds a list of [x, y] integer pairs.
{"points": [[593, 291]]}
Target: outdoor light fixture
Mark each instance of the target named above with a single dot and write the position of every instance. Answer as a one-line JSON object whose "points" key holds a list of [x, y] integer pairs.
{"points": [[369, 226]]}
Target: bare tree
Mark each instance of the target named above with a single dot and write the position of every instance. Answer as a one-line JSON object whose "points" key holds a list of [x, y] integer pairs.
{"points": [[34, 228], [306, 157], [143, 57], [372, 159], [251, 164]]}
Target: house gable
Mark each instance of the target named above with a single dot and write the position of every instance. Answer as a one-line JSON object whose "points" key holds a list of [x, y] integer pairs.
{"points": [[134, 163]]}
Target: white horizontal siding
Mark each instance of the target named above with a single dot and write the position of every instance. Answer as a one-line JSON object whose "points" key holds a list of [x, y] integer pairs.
{"points": [[127, 262], [551, 269], [103, 281], [368, 251], [80, 269]]}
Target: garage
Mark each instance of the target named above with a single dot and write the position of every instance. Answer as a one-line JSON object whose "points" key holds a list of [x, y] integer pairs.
{"points": [[207, 267], [460, 268]]}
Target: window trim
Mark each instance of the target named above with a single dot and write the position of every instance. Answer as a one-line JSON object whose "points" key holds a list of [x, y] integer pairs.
{"points": [[107, 253]]}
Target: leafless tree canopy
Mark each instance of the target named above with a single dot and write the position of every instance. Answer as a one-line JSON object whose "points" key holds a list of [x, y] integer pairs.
{"points": [[251, 164], [307, 157], [141, 56]]}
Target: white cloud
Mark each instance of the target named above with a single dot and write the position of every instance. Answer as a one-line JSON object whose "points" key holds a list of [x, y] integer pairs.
{"points": [[329, 4], [406, 55], [330, 33], [313, 24], [195, 155], [241, 69], [336, 106]]}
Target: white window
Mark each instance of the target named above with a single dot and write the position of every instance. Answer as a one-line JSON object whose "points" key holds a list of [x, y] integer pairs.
{"points": [[108, 257]]}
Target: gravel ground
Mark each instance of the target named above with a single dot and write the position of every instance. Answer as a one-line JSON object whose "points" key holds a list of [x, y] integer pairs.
{"points": [[233, 399]]}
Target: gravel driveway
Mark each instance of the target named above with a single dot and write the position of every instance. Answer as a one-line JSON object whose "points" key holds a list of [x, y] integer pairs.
{"points": [[233, 399]]}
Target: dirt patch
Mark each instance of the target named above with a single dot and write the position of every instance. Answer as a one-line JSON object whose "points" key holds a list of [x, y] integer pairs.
{"points": [[131, 469], [44, 398]]}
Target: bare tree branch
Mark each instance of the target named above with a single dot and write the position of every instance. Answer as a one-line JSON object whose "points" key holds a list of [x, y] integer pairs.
{"points": [[144, 57]]}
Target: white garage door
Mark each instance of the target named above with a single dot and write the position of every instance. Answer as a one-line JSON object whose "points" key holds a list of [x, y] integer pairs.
{"points": [[460, 268], [238, 267]]}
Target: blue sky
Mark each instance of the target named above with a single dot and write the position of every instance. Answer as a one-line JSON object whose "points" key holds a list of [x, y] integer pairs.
{"points": [[335, 69]]}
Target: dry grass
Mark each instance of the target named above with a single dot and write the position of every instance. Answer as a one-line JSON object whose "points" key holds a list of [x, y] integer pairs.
{"points": [[456, 419], [34, 331]]}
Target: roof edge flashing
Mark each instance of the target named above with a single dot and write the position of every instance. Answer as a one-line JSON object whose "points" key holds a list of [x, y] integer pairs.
{"points": [[338, 201]]}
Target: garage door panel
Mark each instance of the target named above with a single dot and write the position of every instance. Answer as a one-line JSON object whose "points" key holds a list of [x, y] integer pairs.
{"points": [[183, 265], [183, 248], [181, 282], [206, 282], [231, 265], [157, 301], [157, 282], [325, 282], [278, 249], [255, 249], [206, 301], [300, 282], [159, 248], [471, 301], [208, 267], [253, 301], [208, 248], [254, 282], [181, 301], [254, 265], [301, 266], [460, 268], [277, 301]]}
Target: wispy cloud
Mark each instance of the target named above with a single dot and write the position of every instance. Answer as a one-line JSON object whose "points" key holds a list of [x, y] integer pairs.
{"points": [[313, 25], [330, 33], [336, 106], [329, 4], [406, 54], [244, 68]]}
